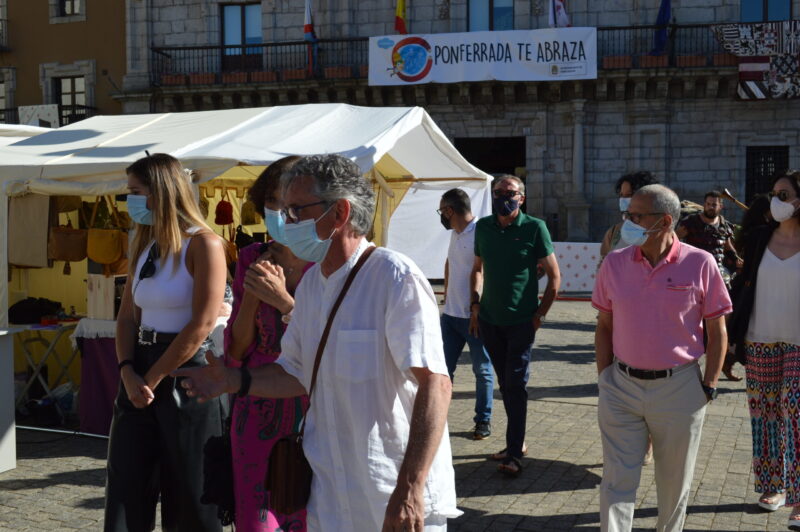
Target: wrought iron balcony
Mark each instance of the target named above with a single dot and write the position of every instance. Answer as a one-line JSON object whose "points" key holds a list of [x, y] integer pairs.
{"points": [[687, 46], [260, 63], [9, 116], [3, 34], [69, 114]]}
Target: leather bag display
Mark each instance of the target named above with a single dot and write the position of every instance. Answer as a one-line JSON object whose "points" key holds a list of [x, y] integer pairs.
{"points": [[288, 479], [105, 245], [66, 243]]}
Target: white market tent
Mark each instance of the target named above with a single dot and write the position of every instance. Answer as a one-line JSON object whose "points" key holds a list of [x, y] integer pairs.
{"points": [[401, 149]]}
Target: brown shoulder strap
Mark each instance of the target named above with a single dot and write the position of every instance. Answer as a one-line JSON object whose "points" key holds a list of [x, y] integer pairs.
{"points": [[324, 339]]}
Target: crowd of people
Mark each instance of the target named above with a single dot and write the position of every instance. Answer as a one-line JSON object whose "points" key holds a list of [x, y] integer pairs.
{"points": [[343, 343]]}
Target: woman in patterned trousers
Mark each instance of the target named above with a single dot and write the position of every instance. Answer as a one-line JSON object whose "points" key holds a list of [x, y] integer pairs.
{"points": [[772, 347]]}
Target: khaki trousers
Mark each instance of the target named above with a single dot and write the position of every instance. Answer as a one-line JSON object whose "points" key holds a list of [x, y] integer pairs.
{"points": [[671, 410]]}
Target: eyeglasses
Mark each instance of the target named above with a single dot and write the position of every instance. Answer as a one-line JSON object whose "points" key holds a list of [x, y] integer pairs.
{"points": [[293, 213], [440, 211], [782, 195], [149, 266], [636, 217], [506, 194]]}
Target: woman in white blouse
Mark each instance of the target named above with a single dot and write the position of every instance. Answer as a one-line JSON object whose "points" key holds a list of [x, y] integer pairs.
{"points": [[772, 347]]}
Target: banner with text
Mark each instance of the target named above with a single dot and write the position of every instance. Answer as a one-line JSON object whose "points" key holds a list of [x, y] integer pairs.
{"points": [[550, 54]]}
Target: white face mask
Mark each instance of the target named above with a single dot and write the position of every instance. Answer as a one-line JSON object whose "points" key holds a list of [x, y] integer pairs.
{"points": [[634, 234], [781, 210]]}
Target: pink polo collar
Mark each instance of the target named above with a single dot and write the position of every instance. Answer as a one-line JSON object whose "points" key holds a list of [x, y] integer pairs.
{"points": [[672, 256]]}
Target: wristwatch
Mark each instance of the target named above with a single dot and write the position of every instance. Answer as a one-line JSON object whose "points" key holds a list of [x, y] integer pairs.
{"points": [[540, 316], [710, 392]]}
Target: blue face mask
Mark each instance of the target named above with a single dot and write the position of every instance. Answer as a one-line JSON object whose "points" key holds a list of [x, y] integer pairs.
{"points": [[276, 225], [304, 242], [137, 208], [624, 203], [633, 234]]}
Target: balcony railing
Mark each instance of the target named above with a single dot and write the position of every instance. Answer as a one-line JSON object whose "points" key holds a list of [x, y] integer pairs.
{"points": [[691, 45], [70, 114], [687, 45], [3, 34], [9, 116], [260, 63]]}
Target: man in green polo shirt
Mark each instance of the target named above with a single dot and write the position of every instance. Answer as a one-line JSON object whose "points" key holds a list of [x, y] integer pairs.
{"points": [[505, 309]]}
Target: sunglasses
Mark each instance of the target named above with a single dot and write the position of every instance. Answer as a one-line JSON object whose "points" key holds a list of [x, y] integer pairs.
{"points": [[293, 213], [507, 195], [637, 217], [782, 195], [149, 266]]}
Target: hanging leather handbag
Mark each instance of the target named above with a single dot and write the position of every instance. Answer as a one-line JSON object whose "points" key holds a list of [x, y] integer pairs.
{"points": [[242, 239], [67, 203], [288, 479], [249, 214], [223, 213], [66, 243], [104, 245]]}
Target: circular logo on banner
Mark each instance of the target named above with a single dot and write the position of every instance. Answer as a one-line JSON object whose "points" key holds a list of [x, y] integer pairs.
{"points": [[411, 59]]}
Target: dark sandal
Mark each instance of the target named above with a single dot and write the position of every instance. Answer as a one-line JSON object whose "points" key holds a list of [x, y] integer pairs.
{"points": [[508, 465], [502, 455]]}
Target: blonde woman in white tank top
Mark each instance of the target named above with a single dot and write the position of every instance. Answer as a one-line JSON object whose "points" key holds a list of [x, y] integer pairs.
{"points": [[169, 307]]}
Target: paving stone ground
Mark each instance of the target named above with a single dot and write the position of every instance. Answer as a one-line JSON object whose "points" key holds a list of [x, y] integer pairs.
{"points": [[58, 484]]}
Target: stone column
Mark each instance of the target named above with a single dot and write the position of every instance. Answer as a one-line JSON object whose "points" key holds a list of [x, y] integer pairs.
{"points": [[575, 203], [137, 44]]}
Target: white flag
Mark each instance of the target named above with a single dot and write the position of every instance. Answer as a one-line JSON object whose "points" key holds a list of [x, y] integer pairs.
{"points": [[558, 14]]}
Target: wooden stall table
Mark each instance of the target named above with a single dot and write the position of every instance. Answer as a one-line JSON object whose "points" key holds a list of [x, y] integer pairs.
{"points": [[30, 335]]}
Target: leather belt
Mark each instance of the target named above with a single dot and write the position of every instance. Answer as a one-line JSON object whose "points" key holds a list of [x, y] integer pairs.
{"points": [[644, 374], [149, 336]]}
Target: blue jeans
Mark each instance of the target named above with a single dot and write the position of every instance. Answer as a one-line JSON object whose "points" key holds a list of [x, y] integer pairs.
{"points": [[455, 333], [509, 347]]}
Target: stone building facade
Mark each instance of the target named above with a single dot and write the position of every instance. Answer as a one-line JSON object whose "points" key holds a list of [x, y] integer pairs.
{"points": [[676, 115]]}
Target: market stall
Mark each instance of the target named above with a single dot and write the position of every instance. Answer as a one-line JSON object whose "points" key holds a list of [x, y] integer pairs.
{"points": [[401, 150]]}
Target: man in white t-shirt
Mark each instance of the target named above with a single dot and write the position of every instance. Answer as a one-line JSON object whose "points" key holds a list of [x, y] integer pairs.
{"points": [[456, 214]]}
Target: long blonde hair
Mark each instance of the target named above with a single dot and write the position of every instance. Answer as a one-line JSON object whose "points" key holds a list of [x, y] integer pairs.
{"points": [[174, 208]]}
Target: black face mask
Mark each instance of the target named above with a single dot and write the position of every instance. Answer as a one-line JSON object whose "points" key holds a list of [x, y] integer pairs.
{"points": [[445, 221], [505, 205]]}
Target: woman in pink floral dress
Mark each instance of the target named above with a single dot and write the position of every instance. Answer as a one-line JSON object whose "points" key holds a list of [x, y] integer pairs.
{"points": [[266, 277]]}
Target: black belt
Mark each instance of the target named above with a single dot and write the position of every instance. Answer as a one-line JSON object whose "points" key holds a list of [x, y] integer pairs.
{"points": [[645, 374], [150, 337]]}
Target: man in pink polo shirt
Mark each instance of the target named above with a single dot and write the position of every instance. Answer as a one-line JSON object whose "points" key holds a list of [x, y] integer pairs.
{"points": [[654, 298]]}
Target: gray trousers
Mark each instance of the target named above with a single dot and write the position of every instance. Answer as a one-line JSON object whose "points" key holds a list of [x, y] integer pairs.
{"points": [[671, 410]]}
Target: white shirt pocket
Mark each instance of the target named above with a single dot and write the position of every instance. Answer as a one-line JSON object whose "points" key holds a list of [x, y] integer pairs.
{"points": [[357, 354]]}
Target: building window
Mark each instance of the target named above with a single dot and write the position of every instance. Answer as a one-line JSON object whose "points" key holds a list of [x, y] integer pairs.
{"points": [[765, 10], [70, 93], [484, 15], [67, 8], [241, 24], [764, 164], [65, 11]]}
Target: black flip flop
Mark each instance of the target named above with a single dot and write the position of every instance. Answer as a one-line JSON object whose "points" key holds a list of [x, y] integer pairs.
{"points": [[503, 466]]}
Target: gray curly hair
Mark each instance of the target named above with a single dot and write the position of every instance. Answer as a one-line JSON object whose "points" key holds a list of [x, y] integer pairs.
{"points": [[336, 177]]}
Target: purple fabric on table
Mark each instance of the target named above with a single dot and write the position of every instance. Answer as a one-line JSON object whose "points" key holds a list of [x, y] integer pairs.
{"points": [[99, 384]]}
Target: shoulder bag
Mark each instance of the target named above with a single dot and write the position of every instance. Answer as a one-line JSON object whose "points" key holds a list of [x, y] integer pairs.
{"points": [[288, 480]]}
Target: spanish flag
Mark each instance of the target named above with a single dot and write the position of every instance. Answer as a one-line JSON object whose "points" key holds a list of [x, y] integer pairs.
{"points": [[400, 18]]}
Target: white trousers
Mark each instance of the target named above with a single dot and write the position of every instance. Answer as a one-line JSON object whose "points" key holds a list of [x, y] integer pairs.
{"points": [[671, 410]]}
